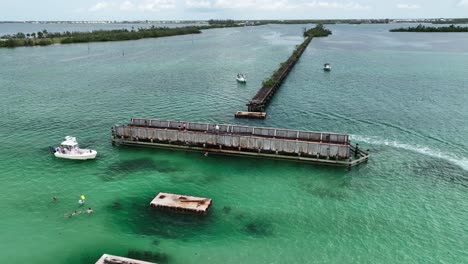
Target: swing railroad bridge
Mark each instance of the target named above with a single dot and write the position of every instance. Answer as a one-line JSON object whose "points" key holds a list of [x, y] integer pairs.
{"points": [[277, 143]]}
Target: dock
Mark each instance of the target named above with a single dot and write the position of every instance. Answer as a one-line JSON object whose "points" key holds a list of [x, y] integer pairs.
{"points": [[110, 259], [259, 115], [181, 203], [275, 143]]}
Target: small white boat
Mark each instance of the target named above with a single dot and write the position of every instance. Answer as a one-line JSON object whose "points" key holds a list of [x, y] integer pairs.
{"points": [[69, 149], [327, 67], [242, 78]]}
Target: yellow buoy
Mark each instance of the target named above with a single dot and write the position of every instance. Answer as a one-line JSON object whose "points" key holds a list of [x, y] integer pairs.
{"points": [[83, 197]]}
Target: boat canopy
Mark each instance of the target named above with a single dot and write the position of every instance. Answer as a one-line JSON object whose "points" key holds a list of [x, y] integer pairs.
{"points": [[70, 141]]}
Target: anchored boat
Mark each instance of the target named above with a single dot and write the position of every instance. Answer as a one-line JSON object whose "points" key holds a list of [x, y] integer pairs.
{"points": [[327, 67], [242, 78], [69, 149]]}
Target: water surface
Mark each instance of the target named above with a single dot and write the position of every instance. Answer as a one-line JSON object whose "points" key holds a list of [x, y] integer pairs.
{"points": [[401, 95]]}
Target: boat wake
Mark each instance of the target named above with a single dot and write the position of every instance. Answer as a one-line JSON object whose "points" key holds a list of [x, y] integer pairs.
{"points": [[79, 58], [386, 125], [461, 162]]}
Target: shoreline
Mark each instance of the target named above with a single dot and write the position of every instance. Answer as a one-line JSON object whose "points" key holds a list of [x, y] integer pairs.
{"points": [[44, 38], [426, 29]]}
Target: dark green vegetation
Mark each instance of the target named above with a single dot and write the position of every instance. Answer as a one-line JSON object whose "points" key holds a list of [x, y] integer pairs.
{"points": [[235, 23], [147, 255], [121, 169], [258, 228], [318, 31], [298, 21], [328, 21], [163, 225], [302, 21], [44, 38], [227, 22], [422, 28], [452, 21], [21, 39], [124, 34]]}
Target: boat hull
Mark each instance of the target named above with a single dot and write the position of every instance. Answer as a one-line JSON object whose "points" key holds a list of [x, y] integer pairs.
{"points": [[75, 156]]}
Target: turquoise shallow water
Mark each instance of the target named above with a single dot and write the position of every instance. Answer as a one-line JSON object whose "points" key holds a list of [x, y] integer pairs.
{"points": [[403, 96]]}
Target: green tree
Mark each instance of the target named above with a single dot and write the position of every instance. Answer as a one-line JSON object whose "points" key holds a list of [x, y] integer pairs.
{"points": [[20, 35], [10, 43], [45, 42]]}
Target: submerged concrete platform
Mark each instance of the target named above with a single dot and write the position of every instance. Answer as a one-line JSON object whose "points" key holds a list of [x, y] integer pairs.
{"points": [[241, 114], [181, 203], [110, 259]]}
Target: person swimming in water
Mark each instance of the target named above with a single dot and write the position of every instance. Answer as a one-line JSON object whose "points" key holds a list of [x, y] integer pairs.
{"points": [[82, 200], [72, 214], [89, 211]]}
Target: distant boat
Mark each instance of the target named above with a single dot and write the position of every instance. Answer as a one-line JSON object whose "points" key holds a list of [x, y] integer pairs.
{"points": [[69, 149], [242, 78], [327, 67]]}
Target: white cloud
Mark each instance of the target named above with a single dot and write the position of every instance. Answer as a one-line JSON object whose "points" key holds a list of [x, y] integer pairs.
{"points": [[233, 3], [156, 5], [79, 10], [408, 6], [463, 3], [225, 4], [338, 5], [101, 6], [198, 4], [239, 4], [276, 5], [127, 6]]}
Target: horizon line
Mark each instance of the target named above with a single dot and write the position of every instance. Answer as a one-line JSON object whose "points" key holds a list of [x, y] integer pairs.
{"points": [[205, 20]]}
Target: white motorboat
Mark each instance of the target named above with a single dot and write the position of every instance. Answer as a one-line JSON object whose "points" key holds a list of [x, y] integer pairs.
{"points": [[242, 78], [327, 67], [69, 149]]}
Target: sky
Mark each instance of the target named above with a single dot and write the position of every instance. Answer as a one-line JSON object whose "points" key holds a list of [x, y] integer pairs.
{"points": [[21, 10]]}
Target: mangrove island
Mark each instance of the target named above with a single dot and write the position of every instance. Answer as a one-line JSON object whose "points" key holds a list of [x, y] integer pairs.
{"points": [[44, 38], [422, 28]]}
